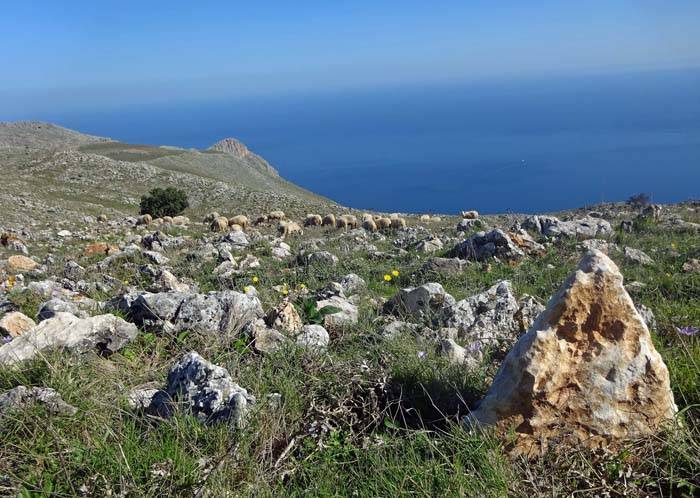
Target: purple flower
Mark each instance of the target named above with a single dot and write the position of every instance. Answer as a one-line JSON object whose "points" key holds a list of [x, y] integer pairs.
{"points": [[688, 330], [474, 347], [6, 339], [421, 355]]}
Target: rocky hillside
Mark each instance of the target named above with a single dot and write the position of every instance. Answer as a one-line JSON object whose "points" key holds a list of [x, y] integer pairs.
{"points": [[488, 356], [58, 175]]}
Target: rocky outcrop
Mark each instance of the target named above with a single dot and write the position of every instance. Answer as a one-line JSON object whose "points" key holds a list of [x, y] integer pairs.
{"points": [[586, 373], [239, 150], [587, 227], [104, 334], [486, 245], [22, 397], [14, 324], [428, 301]]}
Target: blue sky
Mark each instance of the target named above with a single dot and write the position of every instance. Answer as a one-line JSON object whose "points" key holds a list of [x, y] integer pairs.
{"points": [[76, 53]]}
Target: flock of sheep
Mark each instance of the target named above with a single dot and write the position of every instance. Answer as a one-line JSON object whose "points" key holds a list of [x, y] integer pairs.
{"points": [[287, 228]]}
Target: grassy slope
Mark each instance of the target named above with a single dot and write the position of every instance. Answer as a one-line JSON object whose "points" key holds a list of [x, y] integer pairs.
{"points": [[369, 418]]}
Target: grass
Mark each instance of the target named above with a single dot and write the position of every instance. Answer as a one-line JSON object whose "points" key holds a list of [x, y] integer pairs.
{"points": [[369, 417]]}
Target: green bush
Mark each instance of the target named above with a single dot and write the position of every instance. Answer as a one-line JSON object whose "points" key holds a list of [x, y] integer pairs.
{"points": [[164, 202]]}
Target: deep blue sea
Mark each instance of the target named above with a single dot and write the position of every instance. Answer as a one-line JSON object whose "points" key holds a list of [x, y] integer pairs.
{"points": [[525, 146]]}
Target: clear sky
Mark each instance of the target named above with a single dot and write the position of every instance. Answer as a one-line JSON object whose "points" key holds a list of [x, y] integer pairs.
{"points": [[75, 53]]}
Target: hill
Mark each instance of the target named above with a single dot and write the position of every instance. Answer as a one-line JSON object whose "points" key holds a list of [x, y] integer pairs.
{"points": [[52, 172]]}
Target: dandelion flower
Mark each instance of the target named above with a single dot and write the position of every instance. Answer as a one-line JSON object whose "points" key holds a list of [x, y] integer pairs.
{"points": [[387, 278], [673, 244], [126, 282], [668, 275], [285, 292], [395, 273], [246, 289], [303, 286], [255, 280]]}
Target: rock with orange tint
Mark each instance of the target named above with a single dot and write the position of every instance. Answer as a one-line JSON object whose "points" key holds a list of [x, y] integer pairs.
{"points": [[14, 324], [585, 374], [100, 248], [285, 317], [19, 263]]}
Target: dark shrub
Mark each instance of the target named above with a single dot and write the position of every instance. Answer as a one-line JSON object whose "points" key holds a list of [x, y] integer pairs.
{"points": [[640, 200], [164, 202]]}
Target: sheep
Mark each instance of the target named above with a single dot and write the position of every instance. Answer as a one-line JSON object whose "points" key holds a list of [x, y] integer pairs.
{"points": [[181, 220], [289, 228], [276, 215], [470, 215], [168, 219], [313, 220], [220, 224], [158, 221], [398, 224], [382, 223], [369, 225], [350, 220], [425, 217], [394, 216], [235, 227], [341, 222], [145, 219], [652, 211], [367, 217], [261, 220], [328, 220], [210, 217], [239, 220], [436, 219], [102, 218]]}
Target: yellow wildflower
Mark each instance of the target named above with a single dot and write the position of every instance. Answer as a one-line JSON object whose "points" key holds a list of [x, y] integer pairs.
{"points": [[303, 286], [245, 289], [673, 244], [668, 275], [255, 280], [126, 282], [387, 278], [395, 273], [285, 292]]}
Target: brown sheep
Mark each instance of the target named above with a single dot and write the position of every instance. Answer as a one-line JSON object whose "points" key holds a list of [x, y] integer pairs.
{"points": [[313, 220], [220, 224], [239, 220], [382, 223], [351, 220], [398, 224], [328, 220], [288, 229], [367, 217], [261, 220], [369, 225], [341, 222], [276, 215], [146, 219], [470, 215]]}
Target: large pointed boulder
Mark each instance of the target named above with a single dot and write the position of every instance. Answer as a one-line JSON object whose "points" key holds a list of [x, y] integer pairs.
{"points": [[586, 373]]}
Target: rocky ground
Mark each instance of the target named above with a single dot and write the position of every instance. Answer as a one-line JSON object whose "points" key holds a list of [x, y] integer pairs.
{"points": [[170, 360]]}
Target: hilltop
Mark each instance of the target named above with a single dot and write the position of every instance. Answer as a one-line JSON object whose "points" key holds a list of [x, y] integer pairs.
{"points": [[53, 173]]}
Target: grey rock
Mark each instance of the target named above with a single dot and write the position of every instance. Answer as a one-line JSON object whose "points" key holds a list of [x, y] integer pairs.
{"points": [[313, 337], [647, 315], [207, 391], [397, 327], [265, 339], [21, 397], [444, 266], [348, 314], [155, 258], [238, 240], [281, 253], [322, 258], [73, 271], [692, 266], [353, 284], [581, 228], [425, 302], [466, 225], [430, 244], [103, 333], [486, 245], [50, 308], [458, 355], [637, 256]]}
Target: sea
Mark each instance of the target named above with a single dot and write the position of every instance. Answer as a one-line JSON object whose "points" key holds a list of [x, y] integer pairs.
{"points": [[510, 145]]}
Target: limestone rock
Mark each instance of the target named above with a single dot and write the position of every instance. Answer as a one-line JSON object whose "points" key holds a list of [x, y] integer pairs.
{"points": [[486, 245], [586, 373], [285, 317], [692, 266], [207, 391], [582, 228], [21, 397], [353, 284], [444, 266], [14, 324], [637, 256], [103, 333], [427, 301], [19, 263], [101, 248], [313, 337], [348, 314], [266, 339]]}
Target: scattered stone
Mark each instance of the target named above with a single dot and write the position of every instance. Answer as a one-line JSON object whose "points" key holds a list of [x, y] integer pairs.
{"points": [[353, 284], [73, 271], [19, 263], [207, 391], [581, 228], [348, 314], [428, 301], [284, 317], [323, 258], [692, 266], [444, 266], [266, 339], [457, 355], [100, 248], [313, 337], [431, 244], [585, 374], [486, 245], [467, 225], [104, 334], [155, 258], [637, 256], [14, 324], [21, 397]]}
